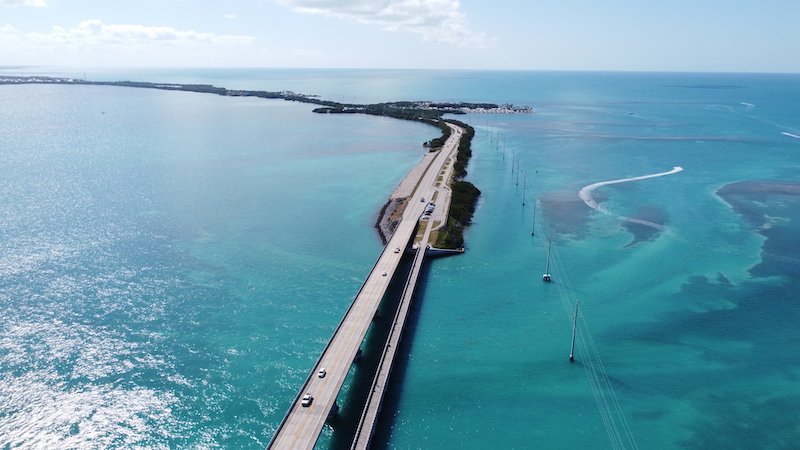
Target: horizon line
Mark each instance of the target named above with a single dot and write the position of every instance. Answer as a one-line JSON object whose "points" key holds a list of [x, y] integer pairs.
{"points": [[9, 67]]}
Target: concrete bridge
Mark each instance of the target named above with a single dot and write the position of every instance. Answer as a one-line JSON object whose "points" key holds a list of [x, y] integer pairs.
{"points": [[302, 425]]}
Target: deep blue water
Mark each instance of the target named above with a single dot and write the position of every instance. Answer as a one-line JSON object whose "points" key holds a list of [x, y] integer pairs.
{"points": [[173, 263]]}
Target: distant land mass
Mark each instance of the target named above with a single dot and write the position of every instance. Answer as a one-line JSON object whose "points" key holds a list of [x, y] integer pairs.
{"points": [[465, 194], [413, 110]]}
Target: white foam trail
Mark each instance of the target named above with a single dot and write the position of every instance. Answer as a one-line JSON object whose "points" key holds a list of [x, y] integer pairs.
{"points": [[785, 133], [586, 195]]}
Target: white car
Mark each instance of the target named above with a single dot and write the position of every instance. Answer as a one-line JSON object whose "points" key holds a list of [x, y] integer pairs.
{"points": [[307, 399], [397, 249], [322, 372]]}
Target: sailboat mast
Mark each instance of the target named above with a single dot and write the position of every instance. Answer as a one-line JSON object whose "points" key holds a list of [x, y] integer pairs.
{"points": [[533, 228], [546, 277], [549, 244], [524, 183], [574, 329]]}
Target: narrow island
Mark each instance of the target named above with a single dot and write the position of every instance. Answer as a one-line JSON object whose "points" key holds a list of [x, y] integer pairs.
{"points": [[449, 231]]}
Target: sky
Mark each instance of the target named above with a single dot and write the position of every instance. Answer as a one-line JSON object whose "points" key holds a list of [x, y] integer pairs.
{"points": [[618, 35]]}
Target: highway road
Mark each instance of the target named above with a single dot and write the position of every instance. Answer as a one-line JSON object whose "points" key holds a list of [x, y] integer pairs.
{"points": [[301, 427], [380, 382]]}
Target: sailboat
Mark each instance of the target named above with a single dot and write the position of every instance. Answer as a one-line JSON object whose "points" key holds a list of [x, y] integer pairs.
{"points": [[546, 277], [574, 330]]}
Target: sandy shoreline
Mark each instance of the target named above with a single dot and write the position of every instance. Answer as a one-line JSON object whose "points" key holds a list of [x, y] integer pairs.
{"points": [[406, 187], [392, 210]]}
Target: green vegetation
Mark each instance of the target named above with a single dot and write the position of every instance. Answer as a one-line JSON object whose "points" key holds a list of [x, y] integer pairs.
{"points": [[464, 149], [438, 142], [462, 207], [464, 195]]}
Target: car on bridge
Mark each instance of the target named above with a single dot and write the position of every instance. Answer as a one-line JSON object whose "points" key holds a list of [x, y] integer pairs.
{"points": [[307, 399]]}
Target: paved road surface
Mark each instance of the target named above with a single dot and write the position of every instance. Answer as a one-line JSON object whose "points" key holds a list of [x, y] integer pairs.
{"points": [[301, 427]]}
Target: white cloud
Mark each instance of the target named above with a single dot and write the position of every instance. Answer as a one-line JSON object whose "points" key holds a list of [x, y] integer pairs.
{"points": [[434, 20], [94, 33], [230, 16], [35, 3]]}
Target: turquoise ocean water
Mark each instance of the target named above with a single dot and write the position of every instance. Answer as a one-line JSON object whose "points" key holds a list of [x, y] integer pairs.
{"points": [[173, 263]]}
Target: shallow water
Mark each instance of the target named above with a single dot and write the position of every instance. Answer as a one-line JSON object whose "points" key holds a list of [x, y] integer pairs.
{"points": [[173, 263], [678, 318]]}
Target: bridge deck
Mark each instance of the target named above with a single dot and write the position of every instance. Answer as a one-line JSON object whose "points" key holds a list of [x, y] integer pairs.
{"points": [[369, 417], [302, 426]]}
